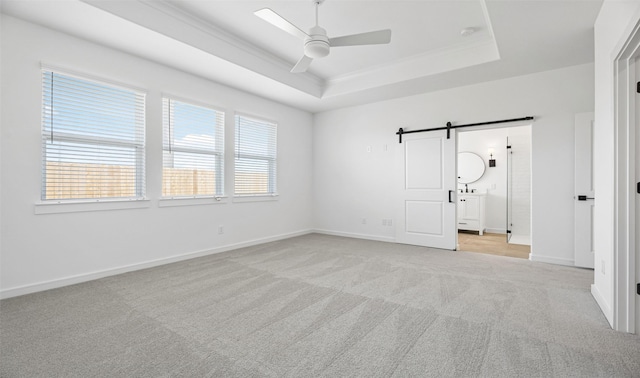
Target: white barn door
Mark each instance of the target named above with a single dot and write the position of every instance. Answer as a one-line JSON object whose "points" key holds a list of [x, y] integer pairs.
{"points": [[426, 209]]}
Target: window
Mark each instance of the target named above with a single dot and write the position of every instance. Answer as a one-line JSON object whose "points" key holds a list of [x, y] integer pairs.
{"points": [[92, 139], [255, 157], [193, 150]]}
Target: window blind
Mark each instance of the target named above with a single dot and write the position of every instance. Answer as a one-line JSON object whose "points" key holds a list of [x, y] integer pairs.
{"points": [[193, 150], [255, 156], [92, 139]]}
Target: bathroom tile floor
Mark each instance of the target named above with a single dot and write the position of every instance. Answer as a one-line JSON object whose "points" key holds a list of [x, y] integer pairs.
{"points": [[493, 244]]}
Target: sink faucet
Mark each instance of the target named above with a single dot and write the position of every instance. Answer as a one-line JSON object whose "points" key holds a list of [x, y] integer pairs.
{"points": [[466, 188]]}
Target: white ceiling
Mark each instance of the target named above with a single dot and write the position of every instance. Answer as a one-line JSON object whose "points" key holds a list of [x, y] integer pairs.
{"points": [[224, 41]]}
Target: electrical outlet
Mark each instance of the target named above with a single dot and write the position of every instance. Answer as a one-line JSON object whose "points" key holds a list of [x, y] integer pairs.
{"points": [[220, 230], [384, 222], [389, 222], [368, 148]]}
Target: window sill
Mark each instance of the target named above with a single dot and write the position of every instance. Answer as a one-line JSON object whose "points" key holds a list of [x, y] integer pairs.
{"points": [[255, 198], [57, 207], [191, 201]]}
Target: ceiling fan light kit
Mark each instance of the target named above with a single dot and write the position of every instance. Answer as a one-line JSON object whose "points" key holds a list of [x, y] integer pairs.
{"points": [[316, 43]]}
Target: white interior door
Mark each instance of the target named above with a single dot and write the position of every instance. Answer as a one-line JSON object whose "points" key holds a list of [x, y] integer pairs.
{"points": [[426, 209], [584, 195]]}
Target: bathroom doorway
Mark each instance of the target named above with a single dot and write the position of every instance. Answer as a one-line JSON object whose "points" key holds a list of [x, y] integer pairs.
{"points": [[499, 200]]}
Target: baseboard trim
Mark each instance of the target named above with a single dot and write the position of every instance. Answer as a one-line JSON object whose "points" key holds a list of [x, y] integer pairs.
{"points": [[495, 230], [387, 239], [551, 260], [72, 280], [602, 303]]}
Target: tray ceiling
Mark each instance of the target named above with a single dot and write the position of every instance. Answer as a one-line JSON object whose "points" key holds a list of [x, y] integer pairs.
{"points": [[224, 41]]}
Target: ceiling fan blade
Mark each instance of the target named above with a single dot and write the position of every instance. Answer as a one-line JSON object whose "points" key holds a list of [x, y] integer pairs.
{"points": [[280, 22], [302, 64], [379, 37]]}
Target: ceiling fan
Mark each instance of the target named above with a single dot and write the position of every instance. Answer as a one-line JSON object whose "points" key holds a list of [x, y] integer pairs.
{"points": [[316, 42]]}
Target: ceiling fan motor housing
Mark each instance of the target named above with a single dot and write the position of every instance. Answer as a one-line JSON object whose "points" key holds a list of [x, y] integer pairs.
{"points": [[317, 46]]}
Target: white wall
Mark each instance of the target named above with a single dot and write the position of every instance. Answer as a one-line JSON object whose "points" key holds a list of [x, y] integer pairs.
{"points": [[494, 180], [612, 29], [40, 251], [352, 183]]}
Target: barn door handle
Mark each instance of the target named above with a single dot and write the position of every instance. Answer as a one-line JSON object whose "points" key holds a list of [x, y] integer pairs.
{"points": [[450, 200], [584, 198]]}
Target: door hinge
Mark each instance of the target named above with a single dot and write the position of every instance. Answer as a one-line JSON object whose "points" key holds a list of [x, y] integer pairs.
{"points": [[638, 87], [638, 187], [638, 288]]}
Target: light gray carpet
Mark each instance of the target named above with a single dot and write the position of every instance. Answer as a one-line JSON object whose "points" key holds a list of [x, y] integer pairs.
{"points": [[316, 306]]}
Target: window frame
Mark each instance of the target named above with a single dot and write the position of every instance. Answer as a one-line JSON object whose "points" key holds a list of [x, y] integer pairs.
{"points": [[48, 133], [196, 199], [272, 162]]}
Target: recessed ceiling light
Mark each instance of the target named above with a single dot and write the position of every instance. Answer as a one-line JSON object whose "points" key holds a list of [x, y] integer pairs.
{"points": [[467, 31]]}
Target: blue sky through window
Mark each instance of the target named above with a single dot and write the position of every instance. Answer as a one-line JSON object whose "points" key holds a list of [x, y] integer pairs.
{"points": [[86, 108]]}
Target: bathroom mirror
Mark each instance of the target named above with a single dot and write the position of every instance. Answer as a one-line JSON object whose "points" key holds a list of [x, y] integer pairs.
{"points": [[470, 167]]}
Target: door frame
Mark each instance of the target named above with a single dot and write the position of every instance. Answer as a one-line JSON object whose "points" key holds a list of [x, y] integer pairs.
{"points": [[528, 123], [624, 232]]}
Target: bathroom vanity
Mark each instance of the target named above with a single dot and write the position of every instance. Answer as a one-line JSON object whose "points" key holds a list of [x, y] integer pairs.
{"points": [[471, 215], [471, 212]]}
